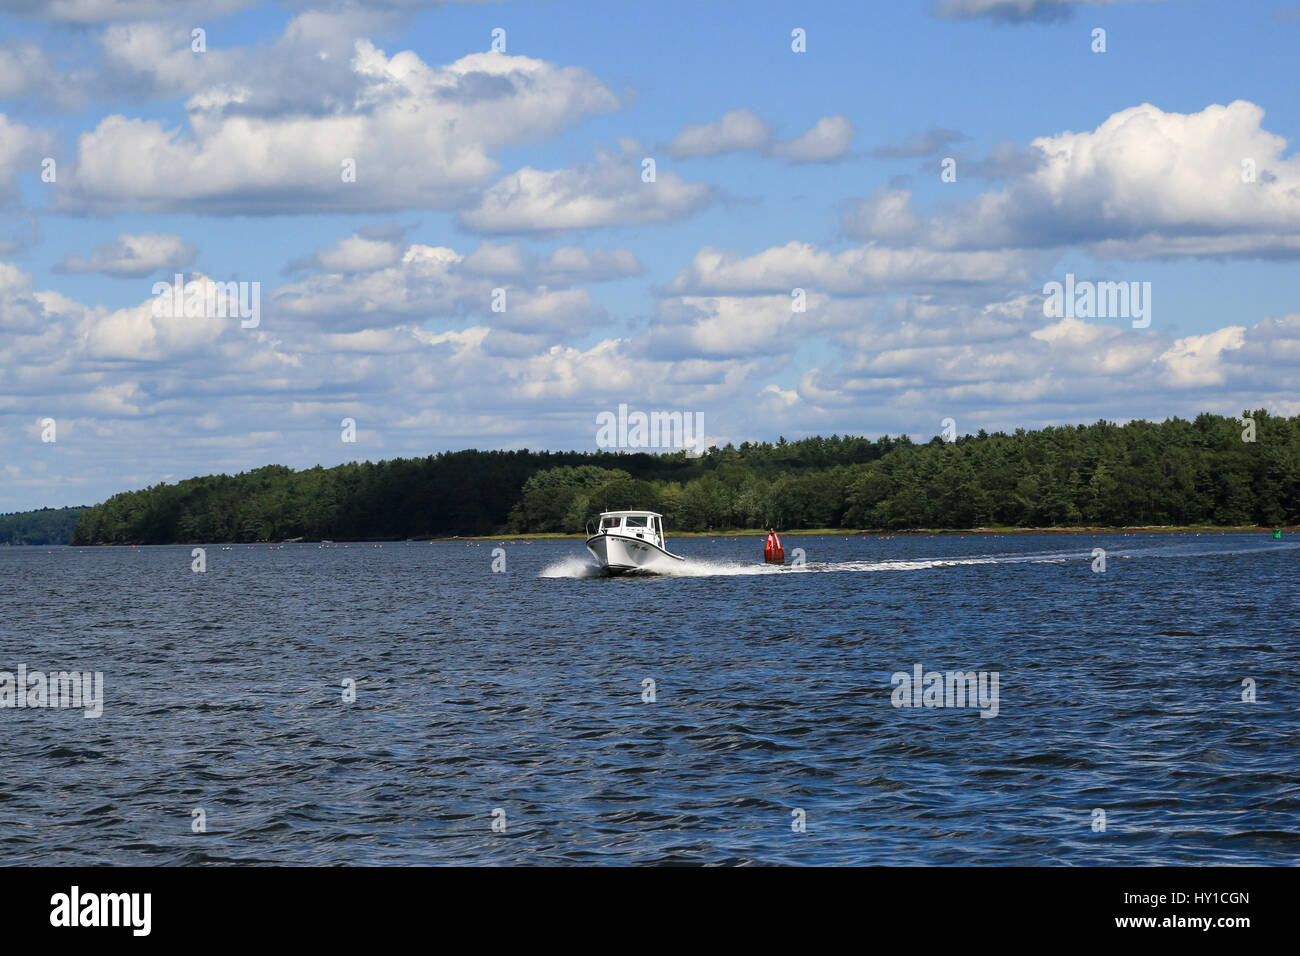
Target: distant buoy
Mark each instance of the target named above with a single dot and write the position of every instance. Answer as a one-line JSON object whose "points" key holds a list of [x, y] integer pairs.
{"points": [[773, 553], [1277, 534]]}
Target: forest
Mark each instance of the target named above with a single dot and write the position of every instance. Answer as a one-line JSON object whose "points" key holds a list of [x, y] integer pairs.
{"points": [[46, 526], [1176, 472]]}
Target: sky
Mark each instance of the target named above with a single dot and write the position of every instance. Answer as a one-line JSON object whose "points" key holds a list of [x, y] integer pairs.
{"points": [[446, 231]]}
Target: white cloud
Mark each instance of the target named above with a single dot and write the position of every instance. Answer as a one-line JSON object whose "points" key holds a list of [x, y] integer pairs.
{"points": [[370, 284], [734, 131], [607, 192], [1145, 183], [418, 136], [563, 266], [1066, 370], [157, 59], [133, 256], [27, 71], [205, 395], [21, 150], [857, 271], [886, 215], [730, 326], [102, 11], [828, 139], [1198, 359], [742, 130], [921, 316], [21, 312], [137, 334], [356, 253], [90, 12]]}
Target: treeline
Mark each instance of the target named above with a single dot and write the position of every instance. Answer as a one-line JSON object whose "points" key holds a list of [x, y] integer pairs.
{"points": [[1142, 473], [463, 492], [1173, 473], [47, 526]]}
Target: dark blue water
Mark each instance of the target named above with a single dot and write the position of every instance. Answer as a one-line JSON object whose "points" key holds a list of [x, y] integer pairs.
{"points": [[521, 692]]}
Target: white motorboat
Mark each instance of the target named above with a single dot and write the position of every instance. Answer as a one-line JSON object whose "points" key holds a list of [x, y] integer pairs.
{"points": [[631, 541]]}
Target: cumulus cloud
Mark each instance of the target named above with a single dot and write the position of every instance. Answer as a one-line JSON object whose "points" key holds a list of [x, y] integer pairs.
{"points": [[861, 270], [21, 149], [729, 327], [62, 345], [373, 283], [307, 69], [607, 192], [888, 364], [143, 333], [886, 214], [20, 310], [356, 253], [1005, 161], [412, 136], [156, 59], [88, 12], [92, 12], [29, 72], [1199, 359], [180, 361], [133, 256], [565, 265], [733, 132], [920, 314], [827, 140], [1144, 183], [742, 130], [986, 369]]}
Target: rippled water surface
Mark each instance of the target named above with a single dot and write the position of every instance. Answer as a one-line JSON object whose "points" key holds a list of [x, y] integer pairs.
{"points": [[522, 692]]}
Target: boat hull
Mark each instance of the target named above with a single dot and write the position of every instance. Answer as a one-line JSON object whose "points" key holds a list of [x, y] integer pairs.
{"points": [[623, 554]]}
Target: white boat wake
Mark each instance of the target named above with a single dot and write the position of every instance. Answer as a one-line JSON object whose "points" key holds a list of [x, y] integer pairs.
{"points": [[578, 567], [571, 567]]}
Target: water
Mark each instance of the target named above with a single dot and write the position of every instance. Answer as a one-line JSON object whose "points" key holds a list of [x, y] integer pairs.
{"points": [[522, 692]]}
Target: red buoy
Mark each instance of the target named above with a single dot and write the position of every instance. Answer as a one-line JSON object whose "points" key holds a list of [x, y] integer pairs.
{"points": [[773, 553]]}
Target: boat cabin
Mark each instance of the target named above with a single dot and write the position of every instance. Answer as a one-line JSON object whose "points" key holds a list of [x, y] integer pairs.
{"points": [[646, 525]]}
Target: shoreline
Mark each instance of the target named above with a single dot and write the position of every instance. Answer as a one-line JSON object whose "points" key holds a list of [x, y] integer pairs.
{"points": [[730, 533]]}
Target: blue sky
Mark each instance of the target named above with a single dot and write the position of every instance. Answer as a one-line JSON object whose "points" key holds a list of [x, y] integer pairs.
{"points": [[521, 170]]}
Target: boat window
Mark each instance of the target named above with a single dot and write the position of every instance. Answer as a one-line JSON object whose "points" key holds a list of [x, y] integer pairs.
{"points": [[636, 522], [610, 522]]}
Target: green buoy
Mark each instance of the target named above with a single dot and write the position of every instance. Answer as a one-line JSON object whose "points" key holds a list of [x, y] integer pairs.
{"points": [[1277, 533]]}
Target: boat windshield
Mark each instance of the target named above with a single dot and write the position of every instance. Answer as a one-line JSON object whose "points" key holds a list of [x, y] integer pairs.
{"points": [[635, 521], [611, 522]]}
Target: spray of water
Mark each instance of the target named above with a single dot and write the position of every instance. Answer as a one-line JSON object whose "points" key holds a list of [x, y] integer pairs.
{"points": [[570, 567], [577, 567]]}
